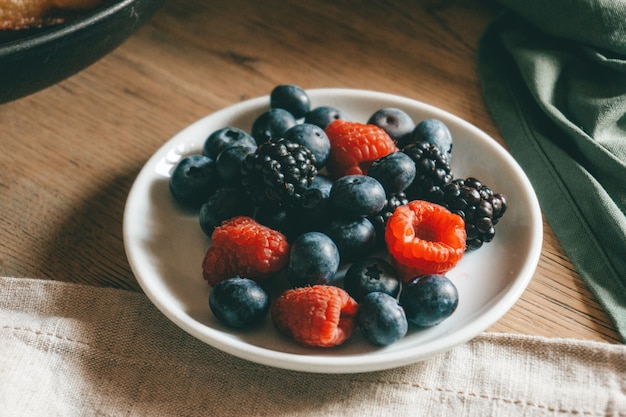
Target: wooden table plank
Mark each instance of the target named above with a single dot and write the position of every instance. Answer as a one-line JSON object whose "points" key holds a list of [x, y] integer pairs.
{"points": [[71, 152]]}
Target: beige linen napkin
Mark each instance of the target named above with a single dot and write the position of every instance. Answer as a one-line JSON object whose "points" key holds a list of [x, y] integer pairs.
{"points": [[75, 350]]}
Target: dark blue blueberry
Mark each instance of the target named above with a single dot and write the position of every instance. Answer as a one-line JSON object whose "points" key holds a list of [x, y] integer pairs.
{"points": [[223, 204], [291, 98], [381, 319], [225, 138], [273, 216], [432, 131], [395, 172], [314, 212], [324, 115], [239, 302], [371, 275], [229, 163], [288, 222], [397, 123], [322, 183], [429, 299], [357, 196], [354, 238], [193, 180], [313, 259], [312, 137], [272, 124]]}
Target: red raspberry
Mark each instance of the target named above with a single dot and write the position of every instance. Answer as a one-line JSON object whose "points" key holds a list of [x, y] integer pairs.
{"points": [[424, 238], [243, 247], [354, 146], [321, 315]]}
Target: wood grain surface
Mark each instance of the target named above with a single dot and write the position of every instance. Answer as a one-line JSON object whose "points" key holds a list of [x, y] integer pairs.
{"points": [[70, 153]]}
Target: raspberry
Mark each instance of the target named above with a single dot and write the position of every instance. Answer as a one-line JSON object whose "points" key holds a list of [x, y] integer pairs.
{"points": [[355, 146], [243, 247], [319, 315], [424, 238]]}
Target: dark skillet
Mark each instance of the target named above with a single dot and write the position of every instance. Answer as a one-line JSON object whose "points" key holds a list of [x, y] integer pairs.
{"points": [[35, 59]]}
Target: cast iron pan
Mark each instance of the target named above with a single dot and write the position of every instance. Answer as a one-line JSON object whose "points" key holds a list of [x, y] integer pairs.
{"points": [[31, 61]]}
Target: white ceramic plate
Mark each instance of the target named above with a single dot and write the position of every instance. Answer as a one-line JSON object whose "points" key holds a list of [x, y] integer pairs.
{"points": [[165, 246]]}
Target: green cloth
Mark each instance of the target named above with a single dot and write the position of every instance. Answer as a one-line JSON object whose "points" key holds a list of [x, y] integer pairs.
{"points": [[554, 78]]}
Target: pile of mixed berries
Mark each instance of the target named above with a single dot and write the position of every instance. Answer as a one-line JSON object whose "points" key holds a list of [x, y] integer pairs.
{"points": [[307, 192]]}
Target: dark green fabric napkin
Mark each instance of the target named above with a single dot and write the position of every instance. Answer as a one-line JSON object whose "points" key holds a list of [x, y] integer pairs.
{"points": [[554, 78]]}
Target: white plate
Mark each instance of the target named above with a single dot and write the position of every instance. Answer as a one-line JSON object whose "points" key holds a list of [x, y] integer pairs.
{"points": [[165, 246]]}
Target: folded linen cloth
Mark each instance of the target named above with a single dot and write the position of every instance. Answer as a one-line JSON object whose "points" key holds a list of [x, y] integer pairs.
{"points": [[74, 350], [554, 78]]}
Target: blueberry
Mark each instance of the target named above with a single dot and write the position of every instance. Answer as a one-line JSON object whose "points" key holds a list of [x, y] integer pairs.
{"points": [[311, 214], [272, 124], [229, 163], [324, 115], [223, 204], [322, 183], [429, 299], [193, 179], [381, 319], [396, 122], [314, 210], [239, 302], [287, 221], [357, 196], [354, 238], [314, 138], [435, 132], [371, 275], [395, 172], [225, 138], [313, 259], [291, 98], [274, 217]]}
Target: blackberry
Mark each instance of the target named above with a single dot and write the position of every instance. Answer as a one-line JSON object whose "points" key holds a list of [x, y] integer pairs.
{"points": [[278, 173], [478, 205], [379, 220], [432, 172]]}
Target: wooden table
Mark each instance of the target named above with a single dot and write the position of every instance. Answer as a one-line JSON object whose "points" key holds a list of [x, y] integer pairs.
{"points": [[71, 153]]}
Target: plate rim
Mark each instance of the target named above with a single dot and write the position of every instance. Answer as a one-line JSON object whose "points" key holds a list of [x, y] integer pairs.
{"points": [[353, 363]]}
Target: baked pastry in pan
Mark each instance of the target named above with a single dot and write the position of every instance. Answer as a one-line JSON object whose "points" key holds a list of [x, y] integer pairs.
{"points": [[26, 14]]}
